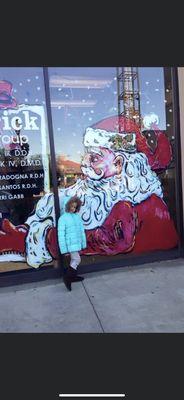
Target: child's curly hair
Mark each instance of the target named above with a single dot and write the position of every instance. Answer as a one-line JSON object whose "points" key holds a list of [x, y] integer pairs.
{"points": [[76, 200]]}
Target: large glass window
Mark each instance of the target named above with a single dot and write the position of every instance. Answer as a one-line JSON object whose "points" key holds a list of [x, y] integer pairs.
{"points": [[119, 163], [115, 149], [25, 187]]}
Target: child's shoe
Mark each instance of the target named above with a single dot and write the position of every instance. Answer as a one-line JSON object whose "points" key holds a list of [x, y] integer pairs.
{"points": [[74, 276]]}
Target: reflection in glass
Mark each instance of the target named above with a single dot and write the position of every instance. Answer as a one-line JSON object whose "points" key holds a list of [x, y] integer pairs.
{"points": [[24, 158]]}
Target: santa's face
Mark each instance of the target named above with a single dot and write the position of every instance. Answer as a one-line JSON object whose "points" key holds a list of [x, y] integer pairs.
{"points": [[99, 163]]}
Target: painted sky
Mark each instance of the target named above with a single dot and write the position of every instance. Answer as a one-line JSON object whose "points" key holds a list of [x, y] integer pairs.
{"points": [[70, 122], [80, 97]]}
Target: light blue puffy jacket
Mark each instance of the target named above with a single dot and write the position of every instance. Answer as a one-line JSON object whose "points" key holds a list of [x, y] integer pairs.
{"points": [[71, 233]]}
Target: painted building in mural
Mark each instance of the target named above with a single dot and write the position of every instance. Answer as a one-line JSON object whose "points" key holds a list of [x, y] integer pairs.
{"points": [[121, 163]]}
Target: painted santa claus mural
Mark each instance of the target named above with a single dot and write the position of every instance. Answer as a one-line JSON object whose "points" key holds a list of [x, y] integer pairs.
{"points": [[123, 210]]}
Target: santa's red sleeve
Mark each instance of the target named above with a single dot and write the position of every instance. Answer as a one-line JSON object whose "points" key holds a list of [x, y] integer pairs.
{"points": [[142, 228], [116, 235]]}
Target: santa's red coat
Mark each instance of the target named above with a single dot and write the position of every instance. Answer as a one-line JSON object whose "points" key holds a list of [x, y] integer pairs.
{"points": [[144, 227]]}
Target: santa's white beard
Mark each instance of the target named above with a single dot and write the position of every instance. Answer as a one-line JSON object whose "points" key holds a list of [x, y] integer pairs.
{"points": [[89, 171], [137, 183]]}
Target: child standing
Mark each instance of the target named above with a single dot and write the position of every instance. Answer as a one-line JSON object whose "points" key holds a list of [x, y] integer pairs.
{"points": [[71, 237]]}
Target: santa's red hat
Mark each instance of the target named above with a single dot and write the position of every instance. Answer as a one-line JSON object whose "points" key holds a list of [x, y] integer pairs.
{"points": [[159, 156], [117, 124], [115, 133]]}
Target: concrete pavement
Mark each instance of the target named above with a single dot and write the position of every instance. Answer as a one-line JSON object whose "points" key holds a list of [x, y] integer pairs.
{"points": [[144, 298]]}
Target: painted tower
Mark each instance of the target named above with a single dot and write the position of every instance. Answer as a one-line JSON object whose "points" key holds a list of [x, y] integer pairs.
{"points": [[128, 93]]}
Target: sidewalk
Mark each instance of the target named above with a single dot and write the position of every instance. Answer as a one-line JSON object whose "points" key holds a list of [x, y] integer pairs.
{"points": [[145, 298]]}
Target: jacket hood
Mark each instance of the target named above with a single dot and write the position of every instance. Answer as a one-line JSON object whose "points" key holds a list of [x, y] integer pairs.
{"points": [[63, 203]]}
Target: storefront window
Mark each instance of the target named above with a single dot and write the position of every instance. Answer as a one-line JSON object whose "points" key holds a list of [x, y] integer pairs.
{"points": [[115, 149], [24, 170], [120, 162]]}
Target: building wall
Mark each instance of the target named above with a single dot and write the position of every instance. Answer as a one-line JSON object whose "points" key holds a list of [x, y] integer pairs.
{"points": [[181, 105]]}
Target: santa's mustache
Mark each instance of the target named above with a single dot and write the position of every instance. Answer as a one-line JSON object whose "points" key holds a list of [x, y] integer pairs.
{"points": [[89, 171]]}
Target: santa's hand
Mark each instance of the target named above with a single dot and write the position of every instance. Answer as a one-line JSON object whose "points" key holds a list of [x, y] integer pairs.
{"points": [[118, 230], [116, 235], [151, 139], [136, 219], [12, 238], [156, 145]]}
